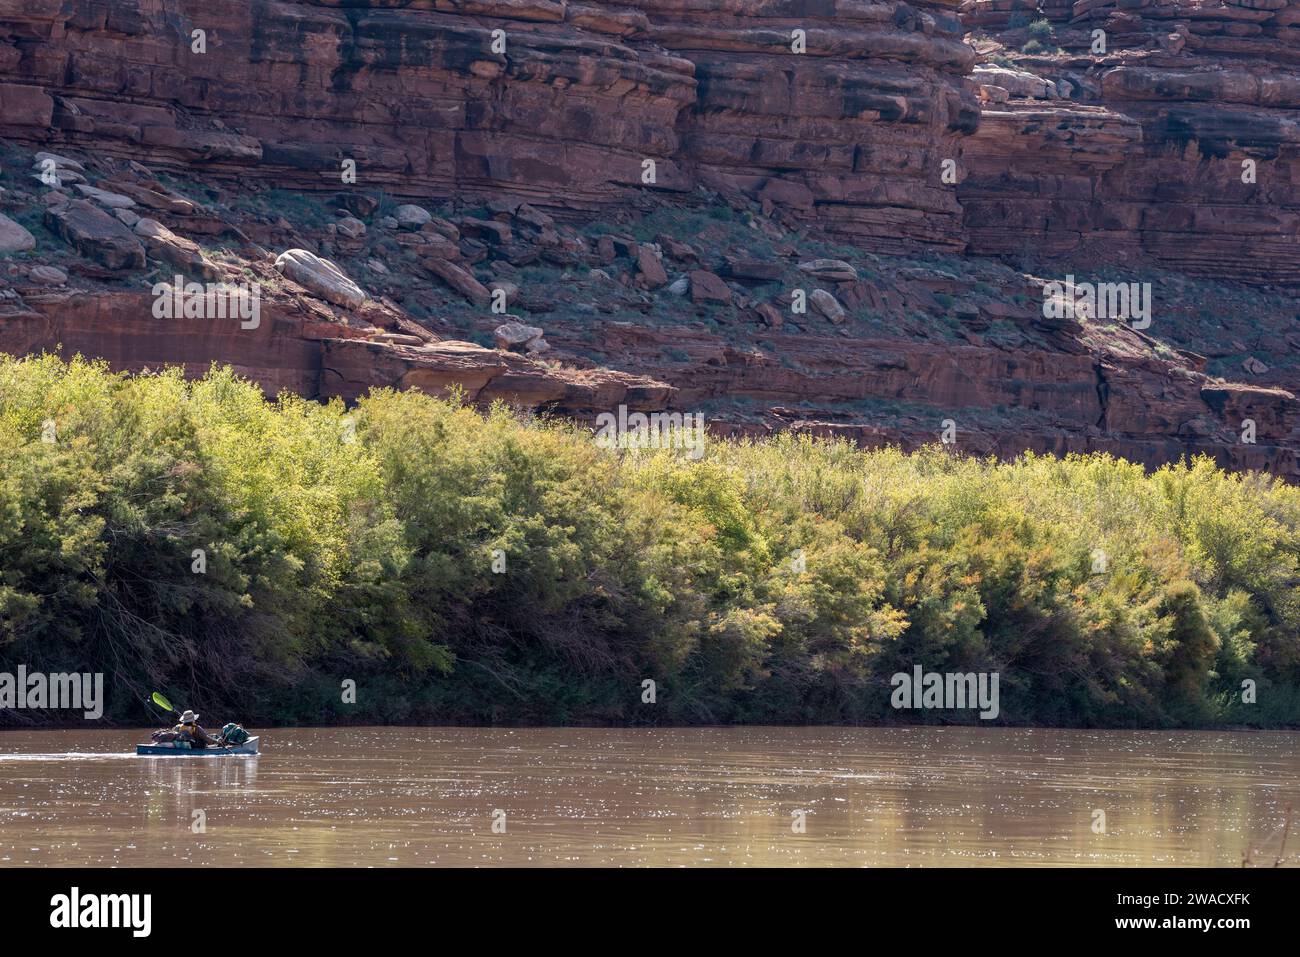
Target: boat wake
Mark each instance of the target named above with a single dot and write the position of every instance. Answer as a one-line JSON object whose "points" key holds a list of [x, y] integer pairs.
{"points": [[66, 756]]}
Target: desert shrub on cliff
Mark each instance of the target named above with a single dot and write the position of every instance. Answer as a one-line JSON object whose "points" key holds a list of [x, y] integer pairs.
{"points": [[471, 566]]}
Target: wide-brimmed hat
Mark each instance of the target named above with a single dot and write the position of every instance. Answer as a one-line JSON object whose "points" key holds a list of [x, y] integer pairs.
{"points": [[189, 717]]}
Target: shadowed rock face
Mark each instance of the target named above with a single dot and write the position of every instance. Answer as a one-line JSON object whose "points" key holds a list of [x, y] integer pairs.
{"points": [[848, 134], [296, 349], [1179, 145]]}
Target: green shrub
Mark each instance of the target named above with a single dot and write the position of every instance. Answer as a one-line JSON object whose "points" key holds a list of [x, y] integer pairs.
{"points": [[776, 580]]}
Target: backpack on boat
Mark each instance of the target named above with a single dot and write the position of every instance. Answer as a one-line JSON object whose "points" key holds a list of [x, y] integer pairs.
{"points": [[233, 734]]}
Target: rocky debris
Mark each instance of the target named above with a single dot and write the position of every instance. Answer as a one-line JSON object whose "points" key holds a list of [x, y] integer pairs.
{"points": [[410, 216], [828, 306], [47, 276], [515, 335], [321, 277], [14, 238], [680, 286], [184, 254], [707, 287], [1253, 366], [104, 197], [459, 279], [95, 234], [829, 270]]}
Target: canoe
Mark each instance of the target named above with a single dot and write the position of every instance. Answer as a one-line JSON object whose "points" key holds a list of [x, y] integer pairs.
{"points": [[168, 749]]}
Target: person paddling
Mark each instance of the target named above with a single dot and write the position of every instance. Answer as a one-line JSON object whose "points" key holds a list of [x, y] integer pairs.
{"points": [[190, 726]]}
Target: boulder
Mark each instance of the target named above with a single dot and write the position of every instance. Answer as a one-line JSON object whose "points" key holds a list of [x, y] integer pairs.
{"points": [[410, 216], [650, 265], [320, 276], [47, 276], [351, 227], [706, 287], [166, 246], [95, 234], [60, 162], [828, 306], [397, 339], [486, 231], [531, 216], [755, 270], [438, 246], [511, 289], [104, 197], [459, 279], [437, 226], [830, 270], [57, 178], [770, 315], [155, 196], [513, 335], [682, 252], [14, 238], [1015, 82]]}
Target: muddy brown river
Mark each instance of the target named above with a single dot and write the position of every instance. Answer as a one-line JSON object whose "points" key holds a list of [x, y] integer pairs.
{"points": [[402, 797]]}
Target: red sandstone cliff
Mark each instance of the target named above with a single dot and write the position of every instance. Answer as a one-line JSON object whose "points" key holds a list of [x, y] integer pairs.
{"points": [[1179, 144], [678, 291]]}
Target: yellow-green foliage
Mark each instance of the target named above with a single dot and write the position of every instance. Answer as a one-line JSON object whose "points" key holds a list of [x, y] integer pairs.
{"points": [[782, 580]]}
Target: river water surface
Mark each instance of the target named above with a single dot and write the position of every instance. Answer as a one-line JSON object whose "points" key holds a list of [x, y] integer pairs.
{"points": [[701, 796]]}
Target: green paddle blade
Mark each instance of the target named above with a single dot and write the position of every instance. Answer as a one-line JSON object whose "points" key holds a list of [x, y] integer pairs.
{"points": [[162, 702]]}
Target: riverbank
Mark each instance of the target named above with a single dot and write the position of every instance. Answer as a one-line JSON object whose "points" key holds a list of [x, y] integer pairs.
{"points": [[413, 560]]}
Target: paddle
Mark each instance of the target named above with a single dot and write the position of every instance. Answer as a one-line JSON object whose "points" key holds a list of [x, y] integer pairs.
{"points": [[166, 705]]}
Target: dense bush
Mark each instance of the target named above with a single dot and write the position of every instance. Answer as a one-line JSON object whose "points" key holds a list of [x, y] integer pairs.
{"points": [[775, 581]]}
